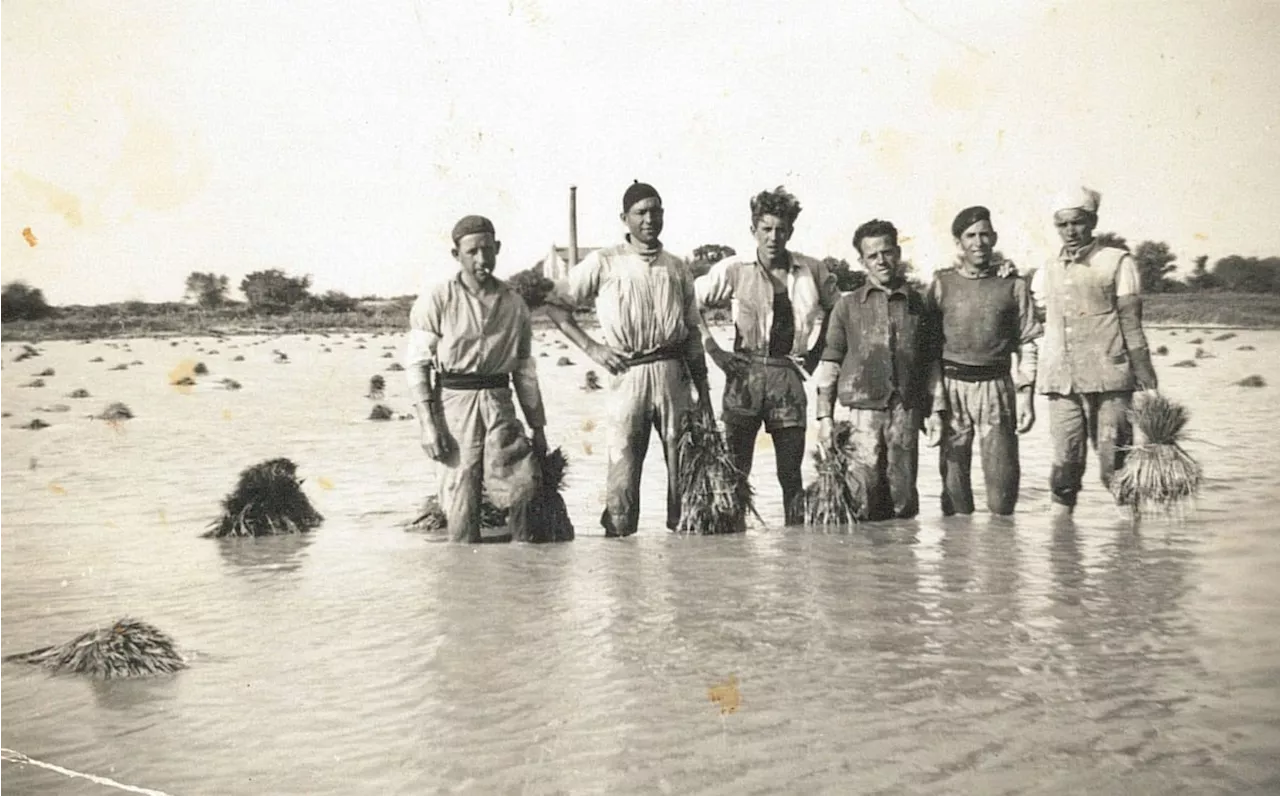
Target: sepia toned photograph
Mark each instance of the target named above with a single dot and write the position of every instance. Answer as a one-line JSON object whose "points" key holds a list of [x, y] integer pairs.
{"points": [[567, 397]]}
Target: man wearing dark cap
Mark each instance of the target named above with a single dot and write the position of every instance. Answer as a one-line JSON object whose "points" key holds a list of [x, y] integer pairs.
{"points": [[780, 300], [1094, 353], [984, 312], [469, 346], [648, 315]]}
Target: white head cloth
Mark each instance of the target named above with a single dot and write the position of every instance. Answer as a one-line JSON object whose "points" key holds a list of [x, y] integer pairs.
{"points": [[1079, 198]]}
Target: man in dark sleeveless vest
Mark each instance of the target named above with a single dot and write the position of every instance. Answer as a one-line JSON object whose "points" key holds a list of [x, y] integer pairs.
{"points": [[1094, 352], [470, 341], [780, 299], [986, 317]]}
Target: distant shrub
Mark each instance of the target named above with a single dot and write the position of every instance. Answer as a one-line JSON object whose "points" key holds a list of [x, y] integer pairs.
{"points": [[21, 302]]}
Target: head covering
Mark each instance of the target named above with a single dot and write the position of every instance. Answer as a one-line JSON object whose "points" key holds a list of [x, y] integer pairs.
{"points": [[967, 218], [471, 225], [1078, 198], [638, 192]]}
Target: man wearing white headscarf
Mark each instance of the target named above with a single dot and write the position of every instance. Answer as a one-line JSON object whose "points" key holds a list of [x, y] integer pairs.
{"points": [[1094, 353]]}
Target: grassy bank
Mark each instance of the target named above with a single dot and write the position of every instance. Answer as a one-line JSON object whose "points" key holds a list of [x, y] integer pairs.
{"points": [[1244, 310]]}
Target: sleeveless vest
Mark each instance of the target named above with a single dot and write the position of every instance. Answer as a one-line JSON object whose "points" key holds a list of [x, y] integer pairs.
{"points": [[1083, 348]]}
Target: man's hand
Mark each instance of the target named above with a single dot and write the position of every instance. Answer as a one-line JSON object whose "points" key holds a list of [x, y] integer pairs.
{"points": [[704, 400], [436, 445], [607, 358], [1026, 411], [1144, 373], [826, 428], [934, 427], [731, 362]]}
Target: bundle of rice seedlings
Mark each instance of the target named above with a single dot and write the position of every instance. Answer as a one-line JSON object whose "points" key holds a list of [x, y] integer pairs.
{"points": [[136, 362], [185, 381], [839, 493], [381, 412], [377, 385], [389, 355], [115, 411], [229, 384], [1158, 475], [395, 367], [1252, 381], [238, 358], [127, 649], [27, 352], [1225, 336], [431, 516], [200, 369], [46, 372], [564, 362], [34, 425], [1202, 354], [267, 500], [548, 515], [591, 382], [532, 286], [1161, 351], [716, 495], [1196, 341], [33, 383], [96, 359], [1245, 348], [1186, 363], [121, 366]]}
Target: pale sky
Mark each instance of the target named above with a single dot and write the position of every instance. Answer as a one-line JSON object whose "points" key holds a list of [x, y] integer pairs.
{"points": [[145, 140]]}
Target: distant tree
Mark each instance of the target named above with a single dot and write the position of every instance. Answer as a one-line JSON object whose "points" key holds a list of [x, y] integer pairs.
{"points": [[1200, 278], [274, 291], [847, 279], [708, 255], [1248, 274], [206, 289], [21, 302], [1111, 239], [1155, 263], [331, 301]]}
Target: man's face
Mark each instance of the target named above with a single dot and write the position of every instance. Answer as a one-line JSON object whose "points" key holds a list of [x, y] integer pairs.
{"points": [[882, 260], [772, 234], [977, 243], [1075, 226], [478, 255], [644, 220]]}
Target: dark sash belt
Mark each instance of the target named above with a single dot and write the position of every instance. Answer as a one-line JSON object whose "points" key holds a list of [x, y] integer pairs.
{"points": [[960, 372], [664, 353], [474, 381]]}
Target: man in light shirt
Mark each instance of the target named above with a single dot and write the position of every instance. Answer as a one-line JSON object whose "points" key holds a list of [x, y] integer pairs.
{"points": [[780, 300], [469, 345], [648, 314], [1094, 351]]}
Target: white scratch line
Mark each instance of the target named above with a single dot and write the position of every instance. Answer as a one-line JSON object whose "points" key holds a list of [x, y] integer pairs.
{"points": [[11, 756]]}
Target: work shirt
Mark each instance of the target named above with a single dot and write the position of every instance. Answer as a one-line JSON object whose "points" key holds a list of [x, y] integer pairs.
{"points": [[1083, 349], [811, 289], [643, 302], [884, 343], [984, 319], [458, 331]]}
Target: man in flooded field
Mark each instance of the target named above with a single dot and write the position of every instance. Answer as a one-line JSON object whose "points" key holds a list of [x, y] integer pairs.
{"points": [[469, 346], [780, 300], [1094, 352], [880, 361], [648, 315], [984, 313]]}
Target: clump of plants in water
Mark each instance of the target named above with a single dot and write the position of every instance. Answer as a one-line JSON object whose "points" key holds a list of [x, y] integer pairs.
{"points": [[381, 412], [1225, 336], [839, 493], [377, 387], [27, 352], [268, 500], [591, 382], [46, 372], [564, 362], [200, 369], [127, 649], [116, 411], [1161, 351], [1252, 381], [1186, 363], [1158, 474], [716, 495]]}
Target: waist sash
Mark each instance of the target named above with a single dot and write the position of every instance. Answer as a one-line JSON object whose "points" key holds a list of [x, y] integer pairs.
{"points": [[961, 372], [675, 351], [474, 381]]}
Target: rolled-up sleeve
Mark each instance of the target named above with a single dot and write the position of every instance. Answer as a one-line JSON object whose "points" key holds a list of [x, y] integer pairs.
{"points": [[1128, 283], [420, 350], [580, 286], [715, 287]]}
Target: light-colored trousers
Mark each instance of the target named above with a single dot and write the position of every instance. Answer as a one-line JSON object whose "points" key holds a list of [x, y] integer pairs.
{"points": [[651, 396], [490, 452], [985, 411], [1077, 419]]}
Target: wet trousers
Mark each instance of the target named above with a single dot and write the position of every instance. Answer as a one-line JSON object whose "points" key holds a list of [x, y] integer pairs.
{"points": [[887, 442], [985, 411], [1077, 419], [772, 394], [490, 453], [655, 395]]}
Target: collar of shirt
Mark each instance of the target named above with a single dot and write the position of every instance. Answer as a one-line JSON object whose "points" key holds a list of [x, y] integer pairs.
{"points": [[648, 253], [500, 287], [868, 286], [793, 265], [1081, 254]]}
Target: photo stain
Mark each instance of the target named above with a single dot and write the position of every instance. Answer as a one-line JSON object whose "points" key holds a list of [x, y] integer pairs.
{"points": [[226, 414], [325, 483], [56, 489], [588, 425], [183, 377], [727, 695], [586, 448], [29, 237]]}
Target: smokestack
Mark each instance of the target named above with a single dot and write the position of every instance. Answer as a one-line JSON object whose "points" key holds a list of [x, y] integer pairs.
{"points": [[573, 225]]}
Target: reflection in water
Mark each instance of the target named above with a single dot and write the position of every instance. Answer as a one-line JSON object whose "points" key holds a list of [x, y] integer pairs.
{"points": [[259, 556]]}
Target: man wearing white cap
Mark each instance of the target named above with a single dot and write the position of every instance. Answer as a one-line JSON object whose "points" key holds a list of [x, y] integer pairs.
{"points": [[1094, 352]]}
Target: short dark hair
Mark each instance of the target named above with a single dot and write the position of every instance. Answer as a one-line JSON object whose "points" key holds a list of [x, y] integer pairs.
{"points": [[777, 202], [875, 228]]}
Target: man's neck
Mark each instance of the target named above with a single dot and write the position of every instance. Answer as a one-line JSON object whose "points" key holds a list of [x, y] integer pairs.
{"points": [[1075, 251], [976, 269], [644, 248], [780, 261], [480, 287]]}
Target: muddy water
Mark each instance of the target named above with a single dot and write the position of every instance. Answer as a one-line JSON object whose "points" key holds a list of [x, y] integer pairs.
{"points": [[933, 656]]}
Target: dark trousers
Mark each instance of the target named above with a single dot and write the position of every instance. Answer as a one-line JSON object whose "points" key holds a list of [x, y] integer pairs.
{"points": [[1076, 420], [888, 445]]}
